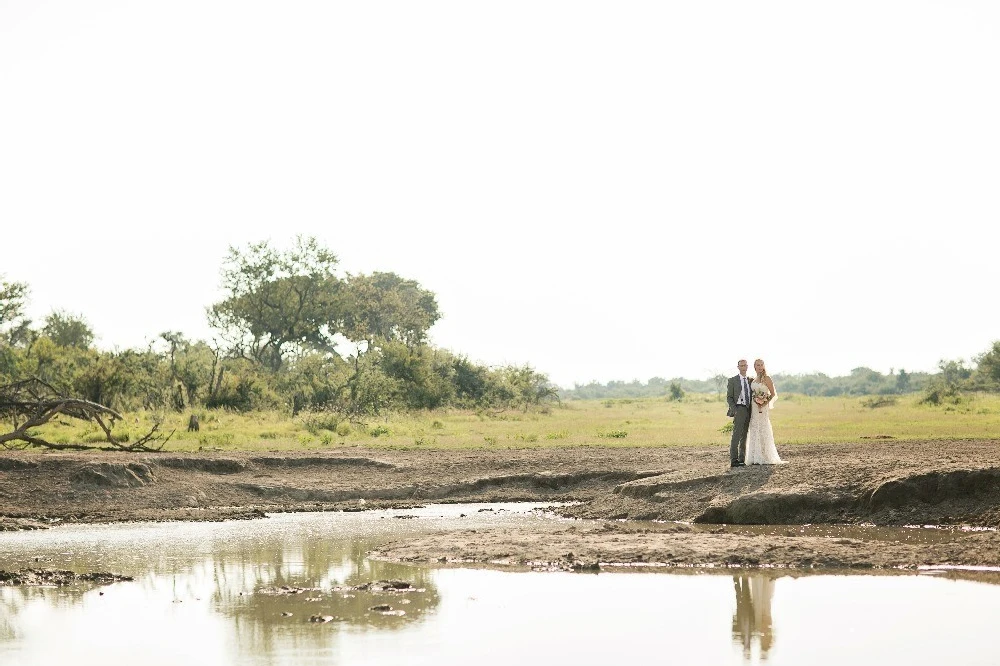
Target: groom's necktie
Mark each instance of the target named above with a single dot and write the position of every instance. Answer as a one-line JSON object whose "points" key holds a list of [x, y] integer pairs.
{"points": [[745, 393]]}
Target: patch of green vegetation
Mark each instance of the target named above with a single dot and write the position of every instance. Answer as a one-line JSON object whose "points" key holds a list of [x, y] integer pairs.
{"points": [[876, 401], [693, 421]]}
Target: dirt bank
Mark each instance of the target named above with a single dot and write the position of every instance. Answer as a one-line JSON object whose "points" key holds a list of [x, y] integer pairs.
{"points": [[880, 482]]}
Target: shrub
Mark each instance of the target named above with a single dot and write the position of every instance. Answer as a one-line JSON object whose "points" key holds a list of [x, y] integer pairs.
{"points": [[877, 401], [314, 421], [613, 434], [941, 393], [344, 429], [379, 430], [726, 429]]}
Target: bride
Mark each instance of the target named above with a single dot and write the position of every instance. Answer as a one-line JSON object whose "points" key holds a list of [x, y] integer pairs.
{"points": [[760, 438]]}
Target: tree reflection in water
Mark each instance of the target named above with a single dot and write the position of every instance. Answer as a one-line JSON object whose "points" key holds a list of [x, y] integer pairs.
{"points": [[752, 620], [321, 566], [219, 586]]}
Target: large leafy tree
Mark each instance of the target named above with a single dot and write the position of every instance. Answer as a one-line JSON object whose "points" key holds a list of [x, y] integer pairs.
{"points": [[387, 307], [381, 312], [279, 302]]}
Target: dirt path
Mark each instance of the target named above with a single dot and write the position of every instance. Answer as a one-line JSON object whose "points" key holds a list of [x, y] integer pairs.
{"points": [[880, 482]]}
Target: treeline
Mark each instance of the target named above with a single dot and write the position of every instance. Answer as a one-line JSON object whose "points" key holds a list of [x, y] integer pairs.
{"points": [[954, 377], [291, 333]]}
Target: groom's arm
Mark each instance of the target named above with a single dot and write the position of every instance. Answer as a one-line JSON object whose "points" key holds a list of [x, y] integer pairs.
{"points": [[731, 395]]}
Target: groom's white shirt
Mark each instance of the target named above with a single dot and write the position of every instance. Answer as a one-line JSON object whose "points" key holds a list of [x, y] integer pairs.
{"points": [[742, 400]]}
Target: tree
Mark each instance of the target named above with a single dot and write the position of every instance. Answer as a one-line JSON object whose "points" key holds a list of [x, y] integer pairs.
{"points": [[954, 373], [947, 385], [720, 382], [675, 392], [193, 367], [424, 374], [471, 382], [68, 330], [902, 381], [988, 367], [279, 302], [518, 386], [13, 296], [385, 306]]}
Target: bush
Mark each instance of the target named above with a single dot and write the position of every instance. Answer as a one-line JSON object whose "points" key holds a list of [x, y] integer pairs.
{"points": [[314, 421], [613, 434], [877, 401], [941, 393]]}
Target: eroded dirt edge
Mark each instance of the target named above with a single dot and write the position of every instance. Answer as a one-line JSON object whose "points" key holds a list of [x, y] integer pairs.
{"points": [[617, 491]]}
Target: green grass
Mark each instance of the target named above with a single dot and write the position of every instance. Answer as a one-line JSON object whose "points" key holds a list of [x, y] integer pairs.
{"points": [[695, 420]]}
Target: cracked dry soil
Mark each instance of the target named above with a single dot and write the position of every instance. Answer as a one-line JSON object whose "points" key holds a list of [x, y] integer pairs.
{"points": [[619, 491]]}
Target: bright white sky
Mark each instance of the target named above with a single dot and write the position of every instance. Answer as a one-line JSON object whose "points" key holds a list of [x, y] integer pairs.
{"points": [[580, 183]]}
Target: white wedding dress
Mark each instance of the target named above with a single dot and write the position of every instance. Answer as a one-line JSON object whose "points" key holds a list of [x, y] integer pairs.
{"points": [[760, 437]]}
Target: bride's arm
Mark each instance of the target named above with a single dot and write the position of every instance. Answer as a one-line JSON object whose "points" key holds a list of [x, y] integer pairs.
{"points": [[770, 387]]}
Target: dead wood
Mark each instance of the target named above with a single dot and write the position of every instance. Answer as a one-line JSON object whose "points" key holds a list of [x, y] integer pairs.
{"points": [[32, 403]]}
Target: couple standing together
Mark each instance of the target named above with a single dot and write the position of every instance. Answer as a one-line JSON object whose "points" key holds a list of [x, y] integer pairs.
{"points": [[749, 406]]}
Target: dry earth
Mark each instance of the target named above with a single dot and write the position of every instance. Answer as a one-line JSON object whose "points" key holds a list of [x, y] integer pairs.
{"points": [[621, 490]]}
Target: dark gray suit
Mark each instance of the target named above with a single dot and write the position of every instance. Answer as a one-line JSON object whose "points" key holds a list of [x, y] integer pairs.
{"points": [[741, 418]]}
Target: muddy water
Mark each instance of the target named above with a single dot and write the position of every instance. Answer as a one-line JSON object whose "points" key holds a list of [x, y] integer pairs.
{"points": [[243, 593]]}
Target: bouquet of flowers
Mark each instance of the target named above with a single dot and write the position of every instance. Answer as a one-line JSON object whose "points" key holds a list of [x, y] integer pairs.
{"points": [[760, 396]]}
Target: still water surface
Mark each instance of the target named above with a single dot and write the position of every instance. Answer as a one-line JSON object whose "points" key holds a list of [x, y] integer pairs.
{"points": [[201, 597]]}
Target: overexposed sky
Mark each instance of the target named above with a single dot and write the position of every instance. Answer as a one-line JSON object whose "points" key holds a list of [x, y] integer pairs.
{"points": [[604, 190]]}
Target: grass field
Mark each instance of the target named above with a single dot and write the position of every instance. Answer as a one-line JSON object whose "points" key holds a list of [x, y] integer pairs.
{"points": [[695, 420]]}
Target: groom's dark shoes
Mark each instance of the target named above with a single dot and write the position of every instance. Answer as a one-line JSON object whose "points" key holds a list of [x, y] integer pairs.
{"points": [[737, 464]]}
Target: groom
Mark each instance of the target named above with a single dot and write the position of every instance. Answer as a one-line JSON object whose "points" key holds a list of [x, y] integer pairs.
{"points": [[738, 397]]}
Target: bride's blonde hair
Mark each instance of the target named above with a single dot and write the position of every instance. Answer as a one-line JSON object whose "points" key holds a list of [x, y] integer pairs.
{"points": [[763, 368]]}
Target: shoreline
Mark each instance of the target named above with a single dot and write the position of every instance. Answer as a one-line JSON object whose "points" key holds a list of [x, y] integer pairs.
{"points": [[616, 491]]}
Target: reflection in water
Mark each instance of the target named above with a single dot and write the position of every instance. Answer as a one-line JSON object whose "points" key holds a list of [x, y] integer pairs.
{"points": [[210, 594], [752, 619], [242, 591]]}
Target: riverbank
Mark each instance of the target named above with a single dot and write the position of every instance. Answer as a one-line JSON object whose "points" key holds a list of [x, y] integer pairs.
{"points": [[948, 482]]}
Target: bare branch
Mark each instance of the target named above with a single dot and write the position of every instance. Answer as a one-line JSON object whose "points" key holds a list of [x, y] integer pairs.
{"points": [[31, 403]]}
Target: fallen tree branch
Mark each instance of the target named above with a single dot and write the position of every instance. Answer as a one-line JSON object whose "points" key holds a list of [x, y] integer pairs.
{"points": [[32, 403]]}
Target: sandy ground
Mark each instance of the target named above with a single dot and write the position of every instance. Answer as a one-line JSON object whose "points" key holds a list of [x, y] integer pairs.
{"points": [[623, 494]]}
